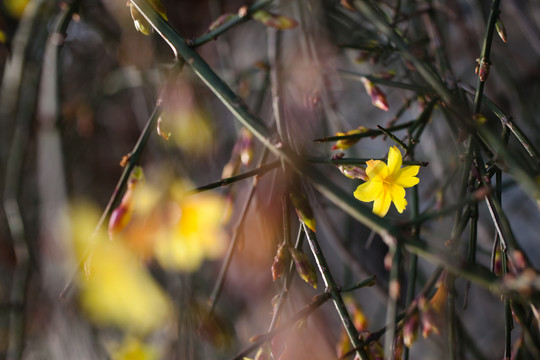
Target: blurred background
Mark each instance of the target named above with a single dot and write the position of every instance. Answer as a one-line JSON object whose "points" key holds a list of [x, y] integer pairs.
{"points": [[68, 118]]}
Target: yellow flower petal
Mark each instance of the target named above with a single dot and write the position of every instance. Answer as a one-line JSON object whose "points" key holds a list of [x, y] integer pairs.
{"points": [[376, 169], [394, 160], [397, 194], [382, 204], [406, 176], [368, 191]]}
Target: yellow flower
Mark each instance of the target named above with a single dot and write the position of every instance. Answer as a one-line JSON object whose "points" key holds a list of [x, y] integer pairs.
{"points": [[194, 233], [387, 183]]}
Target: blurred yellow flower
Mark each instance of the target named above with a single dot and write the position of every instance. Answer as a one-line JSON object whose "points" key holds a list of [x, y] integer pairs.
{"points": [[15, 8], [115, 289], [120, 292], [387, 182], [133, 349], [195, 233]]}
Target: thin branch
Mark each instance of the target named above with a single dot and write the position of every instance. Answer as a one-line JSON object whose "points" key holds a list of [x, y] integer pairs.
{"points": [[259, 171], [367, 133], [333, 289], [230, 23]]}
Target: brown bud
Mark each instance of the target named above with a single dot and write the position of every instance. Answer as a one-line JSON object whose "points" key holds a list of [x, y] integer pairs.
{"points": [[280, 261], [410, 329], [304, 267], [378, 98], [482, 69], [303, 209], [353, 171], [347, 5], [501, 30], [121, 216]]}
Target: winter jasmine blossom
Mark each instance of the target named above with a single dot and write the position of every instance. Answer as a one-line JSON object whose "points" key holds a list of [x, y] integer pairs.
{"points": [[387, 182]]}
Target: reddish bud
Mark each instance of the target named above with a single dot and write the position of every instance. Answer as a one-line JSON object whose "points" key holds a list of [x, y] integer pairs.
{"points": [[121, 216], [410, 329], [482, 69], [378, 98]]}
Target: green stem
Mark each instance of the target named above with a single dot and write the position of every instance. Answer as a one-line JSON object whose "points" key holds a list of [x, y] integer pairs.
{"points": [[333, 289], [358, 161], [507, 121], [485, 54], [259, 171], [287, 283], [413, 261], [393, 295], [233, 21], [367, 133], [393, 137]]}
